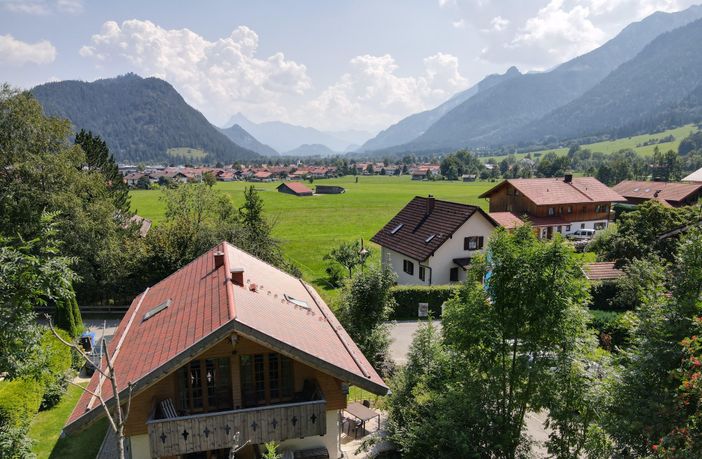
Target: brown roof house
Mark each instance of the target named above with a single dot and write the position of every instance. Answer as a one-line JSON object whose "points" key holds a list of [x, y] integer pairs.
{"points": [[668, 193], [230, 344], [431, 241], [554, 205], [296, 188]]}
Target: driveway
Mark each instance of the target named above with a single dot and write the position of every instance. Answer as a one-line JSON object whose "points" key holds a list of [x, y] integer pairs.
{"points": [[401, 334]]}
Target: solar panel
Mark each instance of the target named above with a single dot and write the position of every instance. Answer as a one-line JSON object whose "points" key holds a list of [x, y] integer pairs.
{"points": [[152, 312]]}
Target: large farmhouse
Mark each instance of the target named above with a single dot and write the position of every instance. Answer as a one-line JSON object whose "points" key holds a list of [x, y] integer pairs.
{"points": [[229, 344], [554, 205], [670, 194], [432, 241]]}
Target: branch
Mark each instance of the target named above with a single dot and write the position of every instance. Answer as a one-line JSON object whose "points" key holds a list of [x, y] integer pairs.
{"points": [[73, 346]]}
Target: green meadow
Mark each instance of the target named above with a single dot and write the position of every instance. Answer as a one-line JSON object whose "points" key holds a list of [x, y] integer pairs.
{"points": [[308, 227], [633, 142]]}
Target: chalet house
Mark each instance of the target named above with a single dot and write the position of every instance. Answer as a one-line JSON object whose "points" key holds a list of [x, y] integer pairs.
{"points": [[230, 345], [262, 176], [694, 177], [667, 193], [132, 178], [554, 205], [431, 242], [298, 189]]}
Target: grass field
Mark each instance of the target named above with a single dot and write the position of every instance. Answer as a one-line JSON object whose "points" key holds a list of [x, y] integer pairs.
{"points": [[46, 428], [308, 227], [630, 142]]}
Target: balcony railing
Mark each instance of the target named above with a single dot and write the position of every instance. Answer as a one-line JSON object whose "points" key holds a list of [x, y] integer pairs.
{"points": [[210, 431]]}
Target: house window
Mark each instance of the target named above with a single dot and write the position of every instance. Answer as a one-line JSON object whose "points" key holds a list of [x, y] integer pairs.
{"points": [[453, 275], [551, 211], [582, 226], [473, 243], [422, 273], [408, 267], [266, 378], [560, 229], [567, 228], [570, 209], [599, 226], [205, 385]]}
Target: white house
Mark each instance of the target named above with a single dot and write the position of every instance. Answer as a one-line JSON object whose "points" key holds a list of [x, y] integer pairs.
{"points": [[431, 242]]}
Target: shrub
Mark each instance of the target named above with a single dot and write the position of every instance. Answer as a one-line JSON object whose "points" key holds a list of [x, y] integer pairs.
{"points": [[14, 443], [408, 298], [611, 327], [55, 362], [19, 402], [602, 295]]}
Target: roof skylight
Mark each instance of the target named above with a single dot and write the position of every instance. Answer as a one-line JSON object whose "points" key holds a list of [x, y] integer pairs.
{"points": [[297, 302], [428, 240], [152, 312], [397, 228]]}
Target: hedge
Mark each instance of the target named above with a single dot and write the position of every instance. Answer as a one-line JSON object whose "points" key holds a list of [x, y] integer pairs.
{"points": [[408, 298], [19, 402], [57, 362]]}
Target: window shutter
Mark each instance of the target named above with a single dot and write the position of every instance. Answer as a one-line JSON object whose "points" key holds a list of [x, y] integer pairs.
{"points": [[481, 240], [465, 243]]}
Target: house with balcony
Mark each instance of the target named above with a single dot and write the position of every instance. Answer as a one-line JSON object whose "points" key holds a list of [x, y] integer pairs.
{"points": [[553, 205], [432, 242], [669, 194], [230, 347]]}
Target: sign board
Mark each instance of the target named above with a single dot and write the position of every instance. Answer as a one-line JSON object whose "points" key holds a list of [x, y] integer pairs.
{"points": [[423, 310]]}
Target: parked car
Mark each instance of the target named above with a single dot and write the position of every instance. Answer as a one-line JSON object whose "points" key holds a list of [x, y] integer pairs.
{"points": [[582, 235]]}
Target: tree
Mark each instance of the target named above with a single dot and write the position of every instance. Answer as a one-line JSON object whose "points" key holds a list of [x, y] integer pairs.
{"points": [[33, 274], [98, 158], [209, 179], [364, 308], [349, 255], [649, 378]]}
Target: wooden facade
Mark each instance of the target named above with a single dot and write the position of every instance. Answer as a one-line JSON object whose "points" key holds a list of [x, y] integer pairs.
{"points": [[212, 431], [144, 412], [509, 199]]}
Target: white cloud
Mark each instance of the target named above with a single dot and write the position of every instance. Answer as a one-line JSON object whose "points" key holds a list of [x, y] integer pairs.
{"points": [[460, 24], [499, 23], [219, 77], [26, 7], [70, 6], [17, 52], [43, 7], [372, 95], [447, 3]]}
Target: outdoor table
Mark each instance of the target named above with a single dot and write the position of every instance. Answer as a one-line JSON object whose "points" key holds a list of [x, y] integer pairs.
{"points": [[362, 413]]}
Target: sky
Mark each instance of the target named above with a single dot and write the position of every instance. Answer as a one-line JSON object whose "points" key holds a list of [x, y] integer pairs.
{"points": [[334, 65]]}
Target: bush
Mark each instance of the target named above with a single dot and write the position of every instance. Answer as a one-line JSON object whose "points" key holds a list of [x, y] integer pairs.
{"points": [[611, 327], [408, 298], [602, 295], [19, 402], [15, 444], [55, 363]]}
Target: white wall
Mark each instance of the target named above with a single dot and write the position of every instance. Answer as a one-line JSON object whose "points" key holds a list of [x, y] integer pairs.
{"points": [[440, 264], [574, 226], [140, 448]]}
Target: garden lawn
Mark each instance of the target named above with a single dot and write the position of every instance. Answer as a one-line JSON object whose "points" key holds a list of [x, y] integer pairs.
{"points": [[46, 429], [308, 227]]}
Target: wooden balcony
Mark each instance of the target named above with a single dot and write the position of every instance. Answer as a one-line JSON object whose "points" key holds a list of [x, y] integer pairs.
{"points": [[210, 431]]}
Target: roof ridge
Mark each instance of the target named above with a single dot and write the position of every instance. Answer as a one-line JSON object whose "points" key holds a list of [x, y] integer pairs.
{"points": [[228, 282]]}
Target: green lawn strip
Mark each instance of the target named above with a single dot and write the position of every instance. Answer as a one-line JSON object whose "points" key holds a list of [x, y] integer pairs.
{"points": [[45, 431]]}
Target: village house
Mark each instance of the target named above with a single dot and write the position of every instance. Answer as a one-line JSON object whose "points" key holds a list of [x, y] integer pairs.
{"points": [[230, 345], [670, 194], [431, 242], [694, 177], [553, 205], [297, 189]]}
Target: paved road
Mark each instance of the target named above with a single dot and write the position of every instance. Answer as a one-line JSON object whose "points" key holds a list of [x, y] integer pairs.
{"points": [[402, 334]]}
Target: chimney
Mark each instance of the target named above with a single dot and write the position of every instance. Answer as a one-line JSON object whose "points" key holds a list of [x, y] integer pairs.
{"points": [[218, 260], [237, 276], [568, 178], [430, 205]]}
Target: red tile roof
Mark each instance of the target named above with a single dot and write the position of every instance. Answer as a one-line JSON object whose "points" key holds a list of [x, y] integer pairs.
{"points": [[507, 220], [296, 187], [418, 226], [602, 270], [206, 307], [668, 191], [551, 191]]}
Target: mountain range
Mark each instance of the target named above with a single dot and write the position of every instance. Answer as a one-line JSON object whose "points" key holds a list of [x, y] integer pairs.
{"points": [[241, 137], [511, 111], [139, 118]]}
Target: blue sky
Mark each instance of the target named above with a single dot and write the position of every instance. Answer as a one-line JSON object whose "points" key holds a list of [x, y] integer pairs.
{"points": [[329, 64]]}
